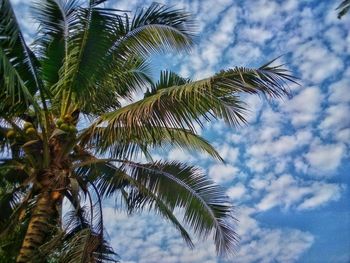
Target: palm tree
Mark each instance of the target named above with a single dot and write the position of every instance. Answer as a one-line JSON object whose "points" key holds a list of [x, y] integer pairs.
{"points": [[64, 133], [343, 8]]}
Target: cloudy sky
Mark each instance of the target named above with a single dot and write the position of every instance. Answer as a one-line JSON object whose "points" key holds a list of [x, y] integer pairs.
{"points": [[287, 172]]}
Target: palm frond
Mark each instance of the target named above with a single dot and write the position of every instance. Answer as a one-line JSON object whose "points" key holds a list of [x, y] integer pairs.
{"points": [[205, 206], [128, 142], [86, 246], [343, 8], [55, 18], [129, 75], [91, 35], [83, 246], [11, 243], [113, 181], [167, 79], [105, 176], [181, 106], [17, 62], [269, 80], [103, 43], [9, 200], [76, 219], [15, 198], [152, 30], [126, 76], [161, 26], [139, 198], [4, 142], [84, 238], [19, 75]]}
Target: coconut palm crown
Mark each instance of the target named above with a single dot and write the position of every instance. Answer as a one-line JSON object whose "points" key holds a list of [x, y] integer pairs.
{"points": [[66, 135]]}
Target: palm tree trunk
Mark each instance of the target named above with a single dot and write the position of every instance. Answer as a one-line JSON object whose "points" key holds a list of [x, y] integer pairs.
{"points": [[39, 226]]}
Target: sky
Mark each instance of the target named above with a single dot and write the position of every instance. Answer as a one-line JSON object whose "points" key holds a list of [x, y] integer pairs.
{"points": [[287, 171]]}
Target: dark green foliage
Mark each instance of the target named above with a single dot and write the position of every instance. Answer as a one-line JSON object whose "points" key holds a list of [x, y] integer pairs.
{"points": [[343, 8]]}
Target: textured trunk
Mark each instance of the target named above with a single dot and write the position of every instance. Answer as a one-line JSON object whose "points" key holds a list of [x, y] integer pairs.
{"points": [[39, 226], [45, 215]]}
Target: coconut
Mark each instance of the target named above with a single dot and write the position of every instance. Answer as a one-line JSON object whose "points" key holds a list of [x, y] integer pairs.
{"points": [[27, 125], [59, 122], [64, 127], [11, 134], [30, 131], [72, 129]]}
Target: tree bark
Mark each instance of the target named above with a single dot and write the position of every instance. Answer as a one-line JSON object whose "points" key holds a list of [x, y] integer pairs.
{"points": [[39, 226]]}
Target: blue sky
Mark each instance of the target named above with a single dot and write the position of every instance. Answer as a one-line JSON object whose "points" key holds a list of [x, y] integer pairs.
{"points": [[287, 172]]}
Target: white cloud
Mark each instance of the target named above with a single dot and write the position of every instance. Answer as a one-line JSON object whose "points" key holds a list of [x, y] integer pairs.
{"points": [[343, 136], [131, 5], [289, 5], [16, 2], [278, 148], [137, 243], [259, 183], [316, 63], [336, 122], [257, 35], [282, 191], [228, 153], [335, 37], [300, 165], [256, 165], [243, 53], [275, 246], [337, 117], [221, 173], [307, 23], [254, 105], [339, 91], [259, 244], [286, 192], [234, 138], [304, 107], [269, 133], [322, 193], [180, 155], [270, 117], [148, 238], [208, 11], [209, 52], [325, 158], [261, 10], [237, 192]]}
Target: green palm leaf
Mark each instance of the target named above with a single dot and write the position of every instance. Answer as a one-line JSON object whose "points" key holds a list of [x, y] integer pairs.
{"points": [[127, 142], [343, 8], [100, 39], [216, 97], [106, 177], [170, 185], [178, 185], [17, 62], [112, 181], [161, 26], [85, 246], [55, 18], [4, 143], [126, 77]]}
